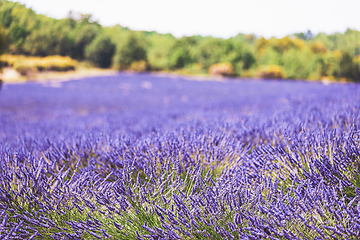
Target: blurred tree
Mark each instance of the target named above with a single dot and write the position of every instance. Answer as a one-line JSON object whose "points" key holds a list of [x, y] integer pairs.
{"points": [[83, 31], [308, 35], [270, 57], [348, 68], [210, 51], [81, 36], [5, 13], [284, 44], [183, 52], [280, 45], [318, 47], [216, 50], [300, 35], [237, 53], [349, 41], [51, 38], [295, 63], [2, 47], [304, 36], [261, 45], [249, 60], [159, 51], [19, 21], [250, 38], [134, 49], [100, 51], [2, 40]]}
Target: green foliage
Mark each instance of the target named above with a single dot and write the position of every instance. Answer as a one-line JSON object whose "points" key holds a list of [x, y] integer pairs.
{"points": [[348, 42], [270, 57], [37, 35], [134, 49], [296, 64], [19, 22], [182, 52], [211, 51], [248, 60], [304, 36], [52, 38], [348, 68], [81, 35], [100, 51], [215, 50], [2, 40], [160, 50]]}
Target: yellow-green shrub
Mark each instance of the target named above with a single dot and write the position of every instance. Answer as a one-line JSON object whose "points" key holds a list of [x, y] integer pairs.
{"points": [[318, 47], [357, 59], [222, 69], [26, 65], [9, 60], [280, 45], [139, 66], [56, 63], [270, 72]]}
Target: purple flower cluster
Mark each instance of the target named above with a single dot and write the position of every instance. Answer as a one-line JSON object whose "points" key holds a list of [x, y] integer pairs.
{"points": [[105, 158]]}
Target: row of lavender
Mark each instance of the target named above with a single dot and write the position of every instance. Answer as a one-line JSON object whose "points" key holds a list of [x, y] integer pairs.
{"points": [[141, 157]]}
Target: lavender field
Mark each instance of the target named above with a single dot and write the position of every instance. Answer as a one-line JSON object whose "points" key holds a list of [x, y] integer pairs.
{"points": [[145, 157]]}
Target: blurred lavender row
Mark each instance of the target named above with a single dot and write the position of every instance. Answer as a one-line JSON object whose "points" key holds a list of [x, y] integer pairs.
{"points": [[146, 157]]}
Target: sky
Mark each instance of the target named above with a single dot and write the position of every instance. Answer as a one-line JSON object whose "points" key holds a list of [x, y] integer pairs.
{"points": [[222, 18]]}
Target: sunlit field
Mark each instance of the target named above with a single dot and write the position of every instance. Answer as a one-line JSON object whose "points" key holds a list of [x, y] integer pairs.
{"points": [[146, 157]]}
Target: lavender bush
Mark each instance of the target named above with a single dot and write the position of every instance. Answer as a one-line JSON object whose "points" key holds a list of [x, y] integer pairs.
{"points": [[143, 157]]}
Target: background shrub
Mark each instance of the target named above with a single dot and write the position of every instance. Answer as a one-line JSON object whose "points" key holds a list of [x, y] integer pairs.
{"points": [[9, 60], [56, 63], [28, 66], [270, 72], [139, 66], [223, 69]]}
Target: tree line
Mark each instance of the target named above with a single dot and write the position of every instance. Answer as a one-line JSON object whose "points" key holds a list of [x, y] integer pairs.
{"points": [[299, 56]]}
